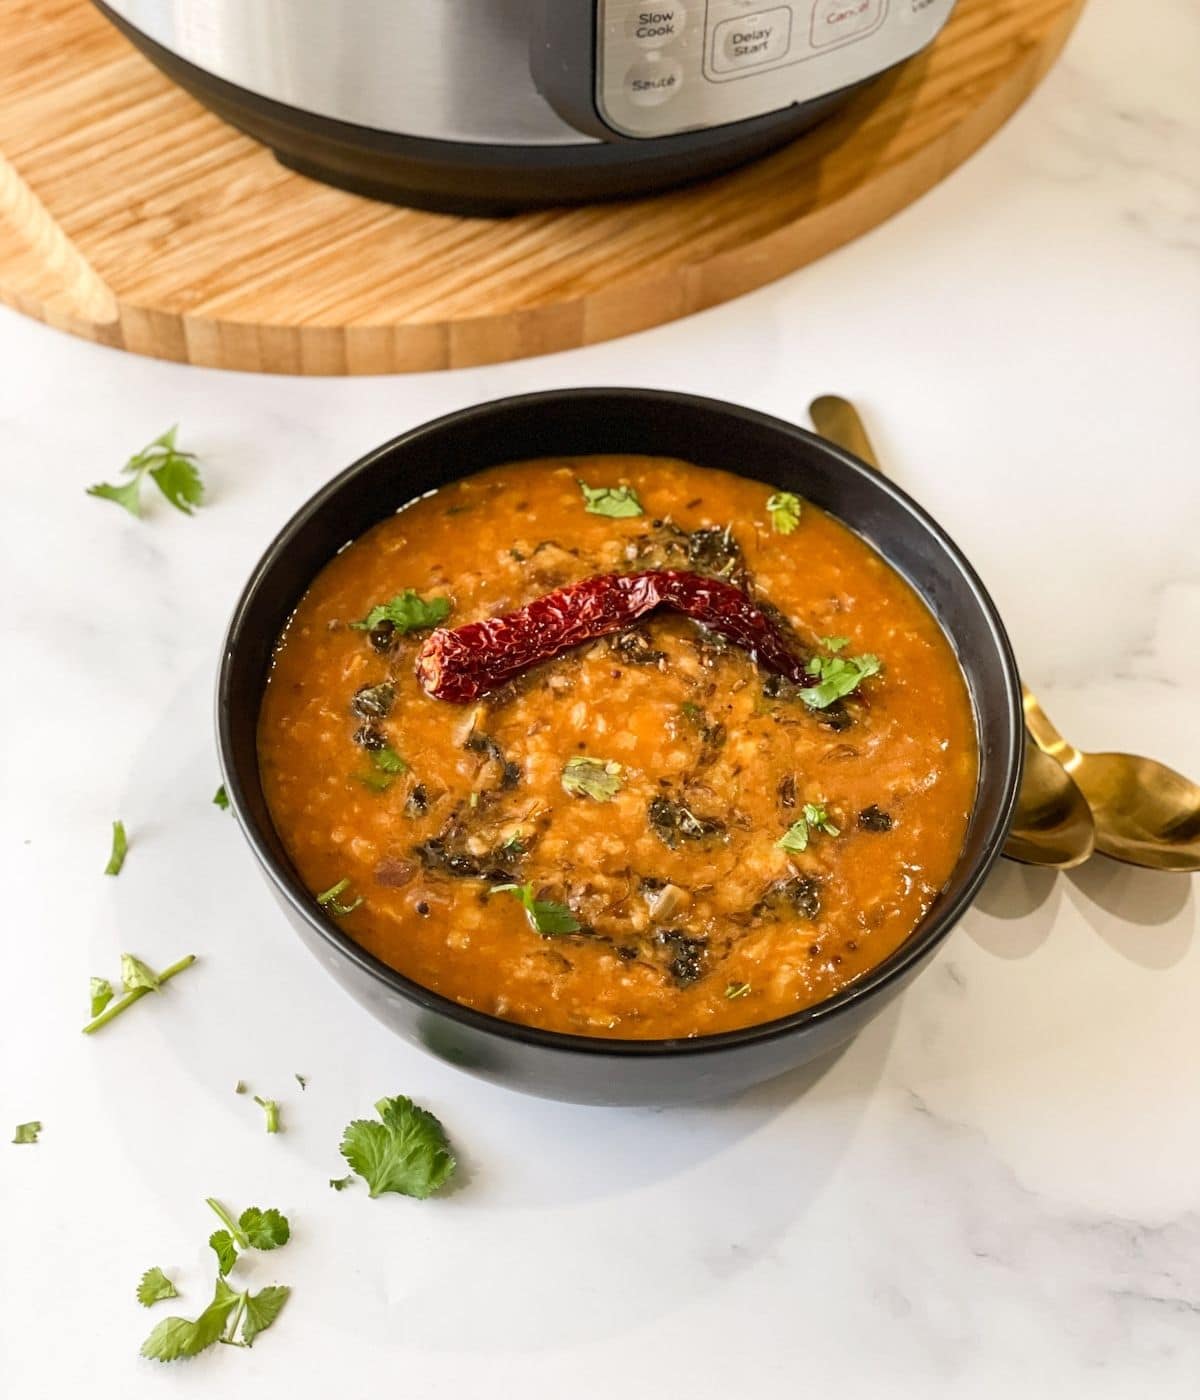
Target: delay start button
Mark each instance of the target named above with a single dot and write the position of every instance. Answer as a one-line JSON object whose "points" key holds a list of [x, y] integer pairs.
{"points": [[652, 26], [745, 42], [653, 81]]}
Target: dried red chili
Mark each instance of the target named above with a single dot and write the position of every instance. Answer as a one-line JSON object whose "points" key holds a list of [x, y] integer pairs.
{"points": [[462, 663]]}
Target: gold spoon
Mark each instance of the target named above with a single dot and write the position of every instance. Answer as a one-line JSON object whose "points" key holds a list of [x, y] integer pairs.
{"points": [[1146, 813], [1052, 824]]}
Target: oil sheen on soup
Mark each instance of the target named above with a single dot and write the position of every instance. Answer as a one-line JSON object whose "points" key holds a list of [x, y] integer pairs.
{"points": [[648, 835]]}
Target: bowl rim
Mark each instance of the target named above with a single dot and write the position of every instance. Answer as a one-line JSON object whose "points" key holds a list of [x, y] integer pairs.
{"points": [[891, 971]]}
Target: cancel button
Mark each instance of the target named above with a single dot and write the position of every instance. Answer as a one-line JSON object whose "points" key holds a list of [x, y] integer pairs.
{"points": [[752, 39]]}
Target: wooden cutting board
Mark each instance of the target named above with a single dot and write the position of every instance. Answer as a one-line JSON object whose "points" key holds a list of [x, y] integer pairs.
{"points": [[131, 216]]}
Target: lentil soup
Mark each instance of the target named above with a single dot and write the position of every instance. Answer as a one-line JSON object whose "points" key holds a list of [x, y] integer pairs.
{"points": [[648, 834]]}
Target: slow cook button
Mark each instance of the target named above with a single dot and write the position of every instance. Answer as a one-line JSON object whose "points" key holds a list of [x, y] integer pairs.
{"points": [[745, 42], [651, 26], [835, 20], [653, 81]]}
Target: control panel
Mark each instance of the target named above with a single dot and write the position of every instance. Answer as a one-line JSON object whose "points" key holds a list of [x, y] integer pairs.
{"points": [[682, 65]]}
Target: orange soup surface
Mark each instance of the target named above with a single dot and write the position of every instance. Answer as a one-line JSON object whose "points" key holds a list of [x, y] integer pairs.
{"points": [[692, 844]]}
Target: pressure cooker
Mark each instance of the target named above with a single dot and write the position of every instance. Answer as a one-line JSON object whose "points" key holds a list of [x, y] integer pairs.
{"points": [[489, 106]]}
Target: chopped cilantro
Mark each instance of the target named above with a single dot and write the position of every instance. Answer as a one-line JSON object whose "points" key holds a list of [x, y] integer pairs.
{"points": [[120, 845], [178, 1339], [172, 471], [386, 764], [544, 915], [797, 836], [407, 612], [406, 1151], [617, 502], [834, 643], [330, 899], [101, 994], [240, 1087], [597, 778], [784, 509], [221, 1242], [737, 989], [261, 1309], [154, 1287], [301, 1080], [221, 798], [254, 1228], [271, 1108], [135, 973], [339, 1183], [837, 676], [27, 1132], [139, 982]]}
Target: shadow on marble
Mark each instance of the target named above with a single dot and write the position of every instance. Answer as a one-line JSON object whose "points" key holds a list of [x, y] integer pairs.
{"points": [[1148, 916], [1020, 903]]}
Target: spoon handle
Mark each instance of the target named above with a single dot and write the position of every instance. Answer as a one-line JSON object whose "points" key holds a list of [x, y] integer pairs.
{"points": [[1047, 738], [838, 420]]}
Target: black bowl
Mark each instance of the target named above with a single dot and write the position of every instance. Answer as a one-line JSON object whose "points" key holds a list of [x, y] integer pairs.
{"points": [[577, 422]]}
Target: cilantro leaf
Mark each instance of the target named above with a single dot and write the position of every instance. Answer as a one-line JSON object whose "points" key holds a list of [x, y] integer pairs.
{"points": [[27, 1132], [597, 778], [617, 502], [128, 495], [135, 973], [837, 676], [784, 509], [221, 798], [339, 1183], [545, 916], [406, 1152], [330, 899], [154, 1287], [262, 1308], [834, 643], [264, 1229], [172, 471], [271, 1108], [224, 1248], [798, 835], [101, 993], [120, 845], [387, 763], [407, 612], [178, 1339]]}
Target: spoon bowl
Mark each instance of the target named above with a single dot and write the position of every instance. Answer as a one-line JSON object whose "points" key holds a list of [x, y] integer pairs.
{"points": [[1145, 813]]}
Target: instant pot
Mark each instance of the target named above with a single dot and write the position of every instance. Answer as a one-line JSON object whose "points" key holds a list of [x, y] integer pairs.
{"points": [[487, 106]]}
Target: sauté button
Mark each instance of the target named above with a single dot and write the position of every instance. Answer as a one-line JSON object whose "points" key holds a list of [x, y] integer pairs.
{"points": [[653, 81], [652, 26], [745, 42]]}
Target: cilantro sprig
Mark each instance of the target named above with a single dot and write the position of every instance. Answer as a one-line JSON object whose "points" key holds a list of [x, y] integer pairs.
{"points": [[545, 916], [597, 778], [138, 980], [172, 471], [815, 819], [617, 502], [407, 612], [784, 508], [406, 1151], [837, 676]]}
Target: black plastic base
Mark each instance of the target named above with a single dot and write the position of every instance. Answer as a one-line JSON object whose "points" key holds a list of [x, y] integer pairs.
{"points": [[487, 180]]}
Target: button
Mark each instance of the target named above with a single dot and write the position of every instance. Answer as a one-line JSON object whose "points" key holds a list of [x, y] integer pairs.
{"points": [[652, 26], [761, 37], [653, 81], [836, 20]]}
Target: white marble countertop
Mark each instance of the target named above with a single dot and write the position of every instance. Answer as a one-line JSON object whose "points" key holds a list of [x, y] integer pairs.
{"points": [[993, 1192]]}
